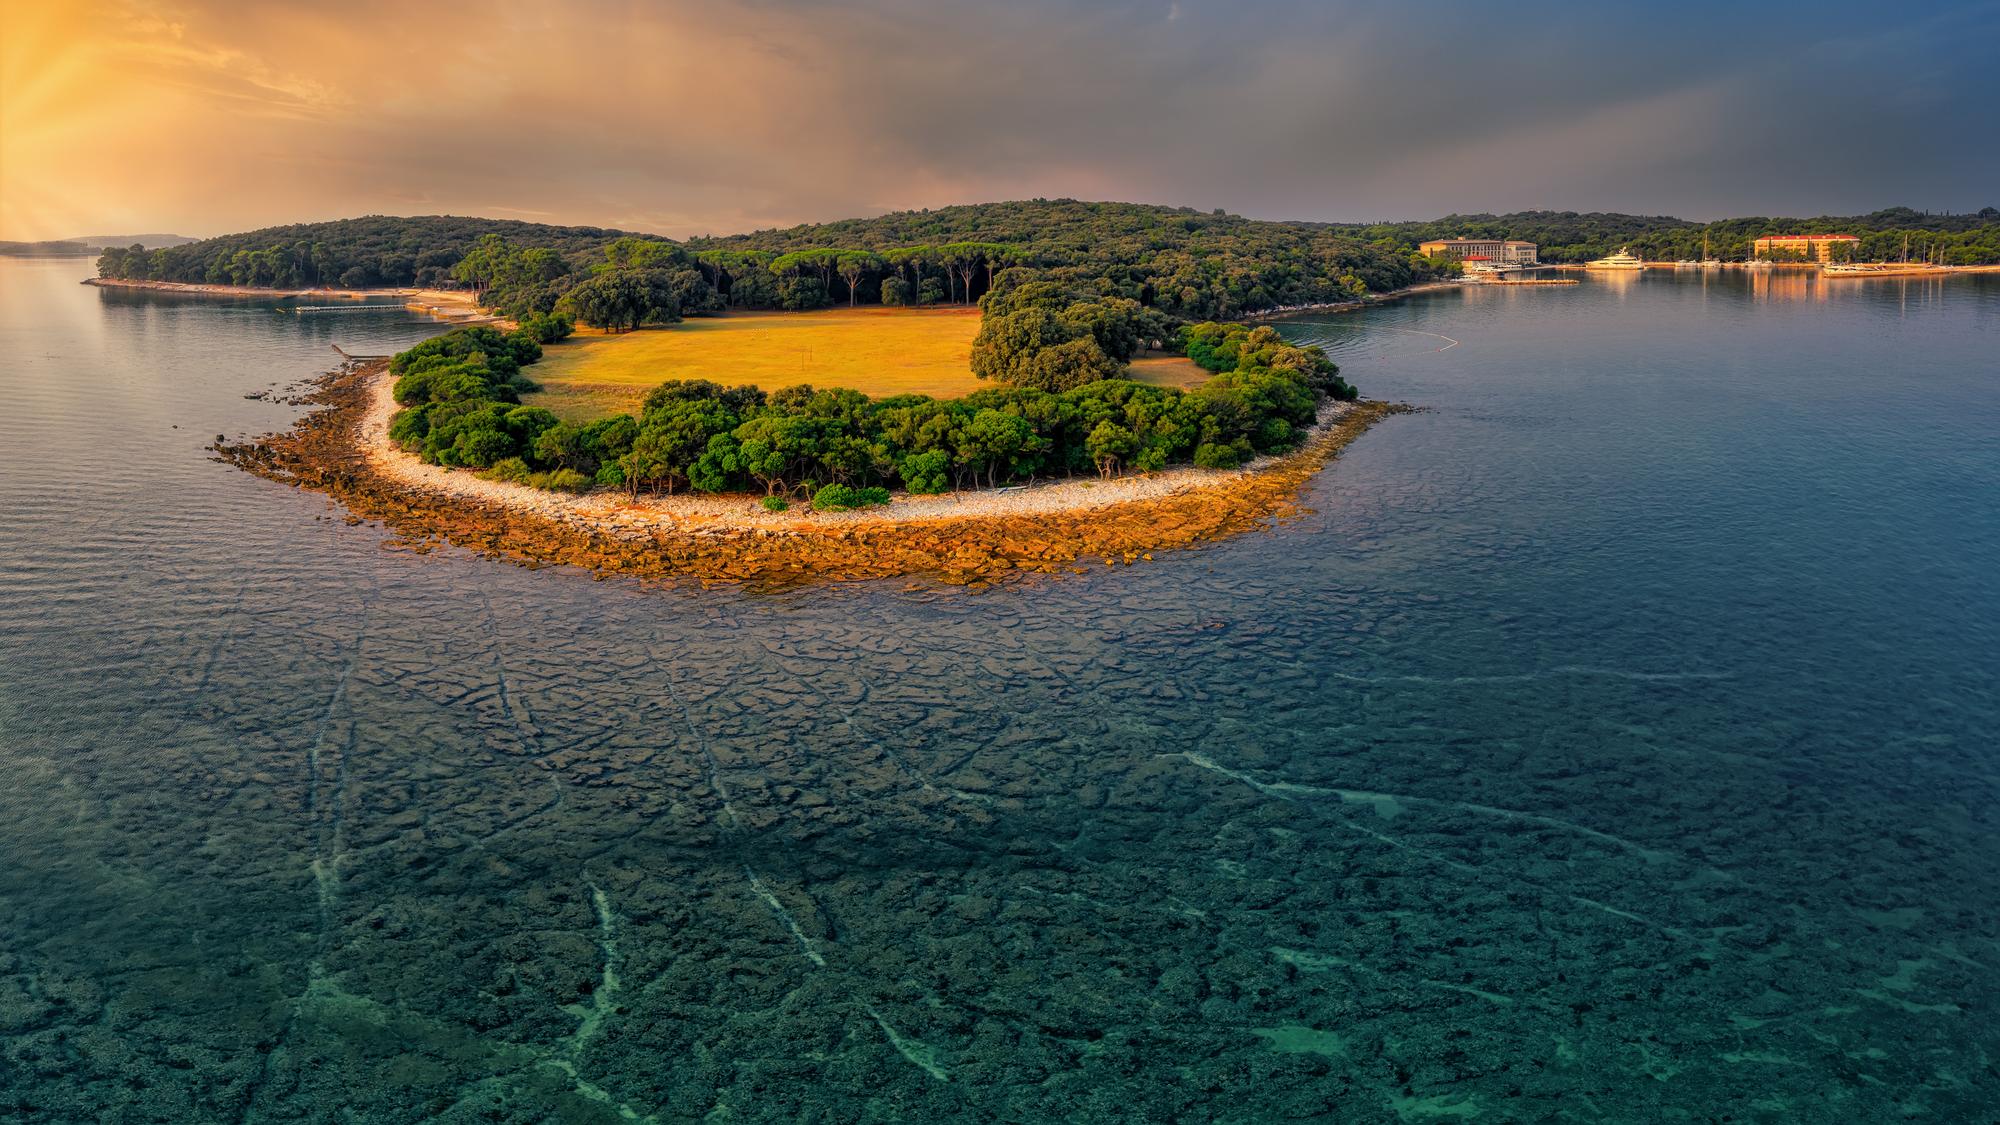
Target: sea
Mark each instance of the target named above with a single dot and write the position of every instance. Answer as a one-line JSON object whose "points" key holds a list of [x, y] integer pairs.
{"points": [[1616, 738]]}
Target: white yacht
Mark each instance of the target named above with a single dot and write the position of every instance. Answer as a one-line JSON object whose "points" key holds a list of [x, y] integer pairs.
{"points": [[1622, 260]]}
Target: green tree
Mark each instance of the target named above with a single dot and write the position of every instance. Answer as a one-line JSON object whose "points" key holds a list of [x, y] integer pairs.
{"points": [[1109, 444], [621, 300], [1000, 442], [853, 265]]}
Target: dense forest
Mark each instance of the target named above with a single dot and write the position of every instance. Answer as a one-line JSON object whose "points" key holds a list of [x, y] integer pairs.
{"points": [[355, 253], [460, 394], [1188, 264], [1070, 291]]}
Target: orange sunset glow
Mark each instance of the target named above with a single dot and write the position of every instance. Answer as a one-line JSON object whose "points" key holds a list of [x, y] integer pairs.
{"points": [[203, 117]]}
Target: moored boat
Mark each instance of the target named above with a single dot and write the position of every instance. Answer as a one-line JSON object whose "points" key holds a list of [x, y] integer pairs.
{"points": [[1622, 260], [1878, 269]]}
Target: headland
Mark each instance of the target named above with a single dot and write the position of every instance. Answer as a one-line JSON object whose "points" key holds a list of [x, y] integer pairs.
{"points": [[974, 538]]}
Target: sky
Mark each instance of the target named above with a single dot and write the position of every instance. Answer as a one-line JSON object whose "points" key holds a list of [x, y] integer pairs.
{"points": [[714, 117]]}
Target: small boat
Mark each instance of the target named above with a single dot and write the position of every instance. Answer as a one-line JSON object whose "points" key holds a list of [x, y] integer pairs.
{"points": [[1622, 260], [1688, 264], [1756, 264]]}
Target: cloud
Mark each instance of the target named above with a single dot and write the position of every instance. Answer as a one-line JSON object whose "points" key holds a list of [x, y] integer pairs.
{"points": [[688, 118]]}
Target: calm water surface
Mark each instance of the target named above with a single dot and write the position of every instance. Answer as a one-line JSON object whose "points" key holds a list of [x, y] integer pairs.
{"points": [[1614, 742]]}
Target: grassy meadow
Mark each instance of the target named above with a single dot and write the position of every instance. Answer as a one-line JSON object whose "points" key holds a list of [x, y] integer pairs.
{"points": [[877, 351], [1163, 370]]}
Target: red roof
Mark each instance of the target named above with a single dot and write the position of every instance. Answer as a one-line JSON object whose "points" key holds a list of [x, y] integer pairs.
{"points": [[1797, 237]]}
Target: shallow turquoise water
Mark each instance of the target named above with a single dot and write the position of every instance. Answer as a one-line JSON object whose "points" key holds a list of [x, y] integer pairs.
{"points": [[1614, 742]]}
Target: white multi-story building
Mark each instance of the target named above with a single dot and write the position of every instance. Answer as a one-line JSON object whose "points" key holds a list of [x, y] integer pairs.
{"points": [[1498, 251]]}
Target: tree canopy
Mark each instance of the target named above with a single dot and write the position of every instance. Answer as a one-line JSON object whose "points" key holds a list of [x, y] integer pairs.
{"points": [[1189, 264], [378, 250]]}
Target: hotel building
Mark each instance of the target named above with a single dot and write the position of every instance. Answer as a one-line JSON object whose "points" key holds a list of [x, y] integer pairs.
{"points": [[1506, 253], [1814, 247]]}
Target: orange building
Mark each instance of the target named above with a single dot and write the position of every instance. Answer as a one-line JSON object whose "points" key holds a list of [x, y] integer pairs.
{"points": [[1814, 247]]}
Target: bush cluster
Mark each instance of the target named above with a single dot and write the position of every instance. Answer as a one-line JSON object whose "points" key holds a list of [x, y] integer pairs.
{"points": [[461, 393], [1234, 347], [1046, 335], [846, 497]]}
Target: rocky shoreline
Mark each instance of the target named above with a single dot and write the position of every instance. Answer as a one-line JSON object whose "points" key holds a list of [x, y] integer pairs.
{"points": [[1279, 312], [343, 450]]}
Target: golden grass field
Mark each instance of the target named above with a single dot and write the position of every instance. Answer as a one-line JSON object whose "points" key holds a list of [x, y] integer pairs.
{"points": [[1167, 371], [877, 351]]}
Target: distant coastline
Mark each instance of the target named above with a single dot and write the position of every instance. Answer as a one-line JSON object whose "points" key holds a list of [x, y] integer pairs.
{"points": [[462, 302], [448, 304]]}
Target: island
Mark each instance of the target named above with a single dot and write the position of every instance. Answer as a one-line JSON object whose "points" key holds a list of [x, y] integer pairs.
{"points": [[956, 394]]}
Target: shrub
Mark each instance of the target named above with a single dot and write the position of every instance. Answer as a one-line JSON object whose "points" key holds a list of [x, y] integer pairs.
{"points": [[774, 503], [567, 480], [924, 473], [546, 328], [841, 498], [509, 469], [409, 427], [1210, 455], [1273, 433]]}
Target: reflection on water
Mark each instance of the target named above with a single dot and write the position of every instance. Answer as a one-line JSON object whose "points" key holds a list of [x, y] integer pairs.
{"points": [[1801, 283], [1612, 743]]}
